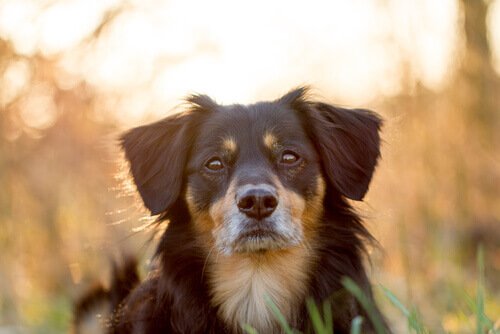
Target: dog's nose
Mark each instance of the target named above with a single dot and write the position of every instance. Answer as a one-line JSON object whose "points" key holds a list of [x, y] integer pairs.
{"points": [[257, 202]]}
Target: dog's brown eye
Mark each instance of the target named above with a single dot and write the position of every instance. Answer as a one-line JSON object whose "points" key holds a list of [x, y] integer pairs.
{"points": [[214, 164], [289, 158]]}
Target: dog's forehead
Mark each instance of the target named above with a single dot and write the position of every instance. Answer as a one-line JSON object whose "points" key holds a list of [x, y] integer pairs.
{"points": [[262, 121]]}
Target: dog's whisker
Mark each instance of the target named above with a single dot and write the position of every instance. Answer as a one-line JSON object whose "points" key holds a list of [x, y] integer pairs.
{"points": [[217, 257], [206, 261]]}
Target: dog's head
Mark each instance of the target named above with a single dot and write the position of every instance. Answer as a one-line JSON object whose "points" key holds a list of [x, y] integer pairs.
{"points": [[254, 177]]}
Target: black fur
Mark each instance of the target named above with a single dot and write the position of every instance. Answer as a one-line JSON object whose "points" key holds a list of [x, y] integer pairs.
{"points": [[175, 296], [347, 140]]}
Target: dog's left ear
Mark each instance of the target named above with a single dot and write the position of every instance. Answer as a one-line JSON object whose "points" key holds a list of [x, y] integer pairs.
{"points": [[157, 155], [158, 152], [347, 139], [349, 143]]}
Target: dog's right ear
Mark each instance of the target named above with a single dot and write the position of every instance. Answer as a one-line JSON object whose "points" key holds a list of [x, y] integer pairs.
{"points": [[348, 141], [158, 152]]}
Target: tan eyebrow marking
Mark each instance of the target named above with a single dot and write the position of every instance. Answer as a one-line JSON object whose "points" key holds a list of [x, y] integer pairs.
{"points": [[229, 144], [270, 140]]}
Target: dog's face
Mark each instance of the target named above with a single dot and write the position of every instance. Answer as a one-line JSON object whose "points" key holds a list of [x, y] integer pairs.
{"points": [[254, 177]]}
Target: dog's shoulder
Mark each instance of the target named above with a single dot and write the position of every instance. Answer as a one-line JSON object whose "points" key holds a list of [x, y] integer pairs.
{"points": [[155, 306], [136, 314]]}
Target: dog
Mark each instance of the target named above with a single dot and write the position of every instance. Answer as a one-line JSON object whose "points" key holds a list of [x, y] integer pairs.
{"points": [[257, 203]]}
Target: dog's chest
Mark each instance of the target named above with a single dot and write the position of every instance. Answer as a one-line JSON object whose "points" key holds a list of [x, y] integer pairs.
{"points": [[239, 285]]}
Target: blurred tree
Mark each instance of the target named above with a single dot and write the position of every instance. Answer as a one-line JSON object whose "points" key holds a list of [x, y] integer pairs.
{"points": [[55, 198], [480, 82], [476, 90], [446, 154]]}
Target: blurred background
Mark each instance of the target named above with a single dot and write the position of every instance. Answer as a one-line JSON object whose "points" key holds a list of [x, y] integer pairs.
{"points": [[75, 73]]}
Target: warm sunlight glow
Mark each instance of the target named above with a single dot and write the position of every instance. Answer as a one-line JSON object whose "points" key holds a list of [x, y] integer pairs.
{"points": [[14, 81], [16, 24], [494, 24], [350, 51], [38, 109], [65, 24]]}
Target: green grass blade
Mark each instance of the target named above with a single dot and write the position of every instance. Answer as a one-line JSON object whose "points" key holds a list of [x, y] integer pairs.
{"points": [[277, 313], [327, 311], [480, 291], [482, 320], [355, 290], [415, 322], [395, 301], [317, 322], [472, 307], [413, 316], [356, 325], [249, 329]]}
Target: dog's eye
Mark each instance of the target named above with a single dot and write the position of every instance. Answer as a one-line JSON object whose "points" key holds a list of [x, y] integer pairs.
{"points": [[214, 164], [289, 158]]}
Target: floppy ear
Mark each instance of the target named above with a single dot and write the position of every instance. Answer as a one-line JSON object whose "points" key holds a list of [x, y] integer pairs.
{"points": [[349, 144], [157, 155], [347, 139]]}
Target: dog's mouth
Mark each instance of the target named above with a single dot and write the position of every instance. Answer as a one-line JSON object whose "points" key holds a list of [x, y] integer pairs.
{"points": [[257, 234], [259, 239]]}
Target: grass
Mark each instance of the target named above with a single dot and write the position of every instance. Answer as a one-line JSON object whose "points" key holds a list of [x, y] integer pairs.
{"points": [[367, 304], [414, 320], [320, 326]]}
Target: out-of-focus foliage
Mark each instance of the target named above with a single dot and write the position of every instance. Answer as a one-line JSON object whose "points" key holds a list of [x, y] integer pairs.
{"points": [[57, 203], [64, 215]]}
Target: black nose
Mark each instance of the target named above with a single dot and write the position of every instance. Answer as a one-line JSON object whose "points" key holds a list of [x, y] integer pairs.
{"points": [[257, 202]]}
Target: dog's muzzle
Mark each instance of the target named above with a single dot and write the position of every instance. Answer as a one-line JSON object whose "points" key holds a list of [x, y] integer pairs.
{"points": [[258, 218], [261, 225]]}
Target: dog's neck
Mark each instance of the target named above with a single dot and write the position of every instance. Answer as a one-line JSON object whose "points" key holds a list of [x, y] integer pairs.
{"points": [[240, 282]]}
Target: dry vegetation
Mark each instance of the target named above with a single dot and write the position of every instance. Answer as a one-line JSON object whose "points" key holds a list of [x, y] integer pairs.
{"points": [[435, 198]]}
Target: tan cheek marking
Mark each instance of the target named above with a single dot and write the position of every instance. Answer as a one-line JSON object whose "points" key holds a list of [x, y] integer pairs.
{"points": [[314, 209], [202, 222], [223, 205], [190, 200], [229, 144], [296, 203], [306, 212], [291, 200], [270, 140], [204, 225], [216, 211], [208, 224]]}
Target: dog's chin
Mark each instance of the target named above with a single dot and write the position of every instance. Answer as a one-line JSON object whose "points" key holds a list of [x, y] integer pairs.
{"points": [[260, 241]]}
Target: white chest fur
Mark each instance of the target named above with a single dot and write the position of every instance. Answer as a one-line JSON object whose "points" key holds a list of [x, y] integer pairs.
{"points": [[240, 282]]}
